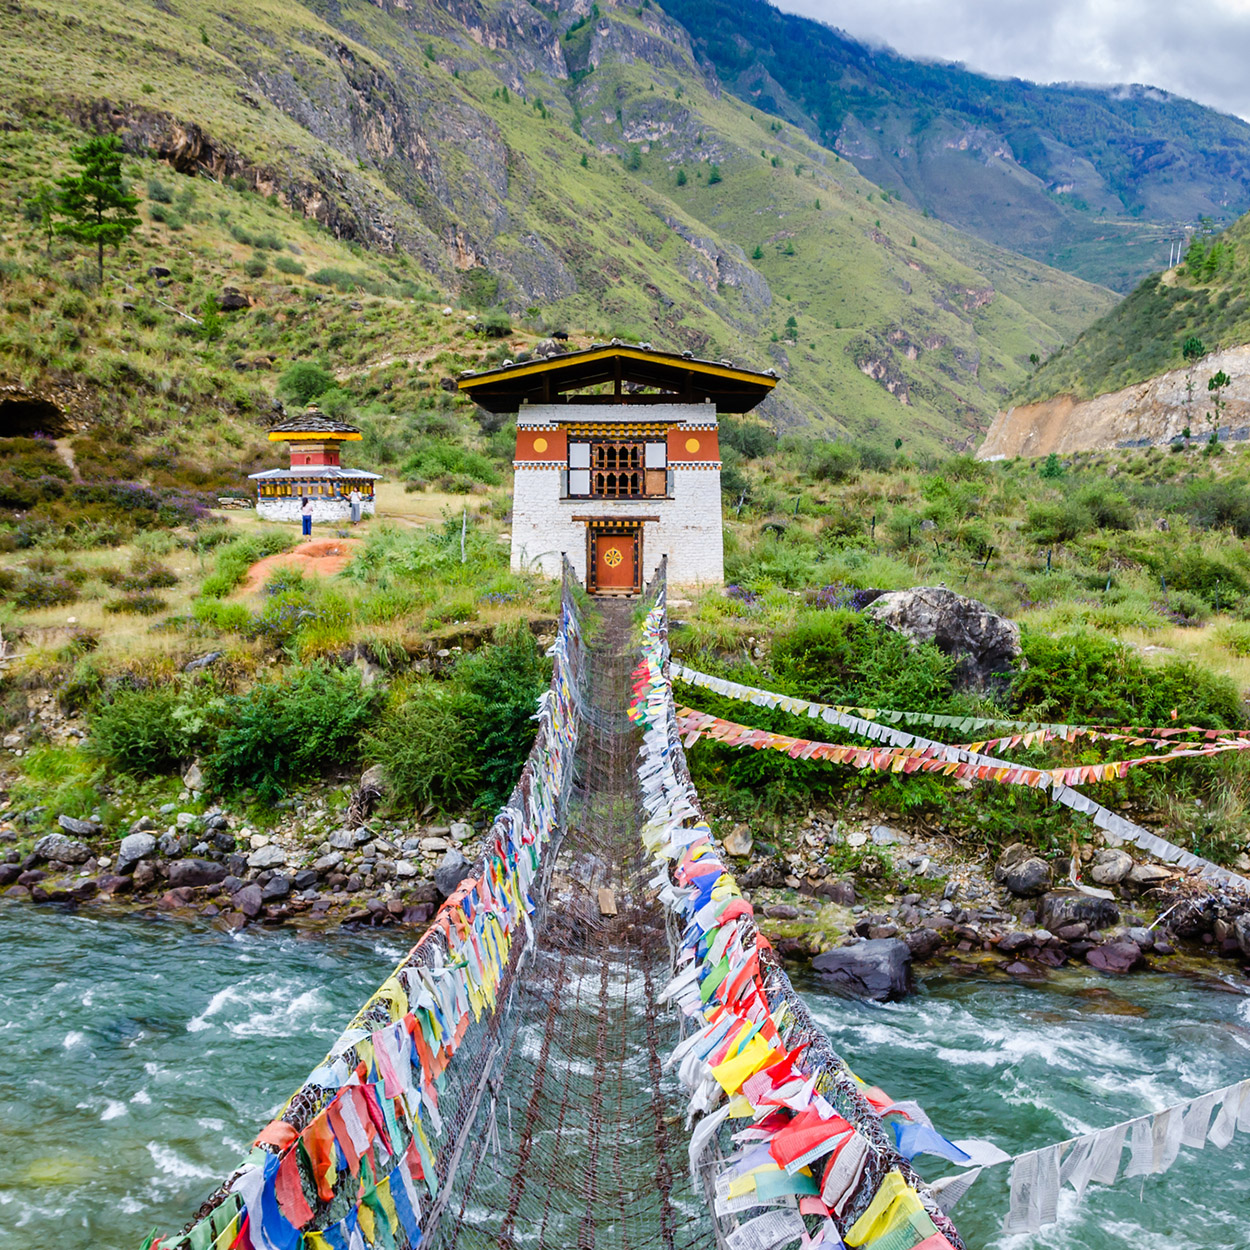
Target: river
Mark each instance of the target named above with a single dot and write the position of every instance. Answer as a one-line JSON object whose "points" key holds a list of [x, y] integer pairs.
{"points": [[139, 1056]]}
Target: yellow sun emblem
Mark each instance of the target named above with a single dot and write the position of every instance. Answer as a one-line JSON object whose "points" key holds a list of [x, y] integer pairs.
{"points": [[612, 557]]}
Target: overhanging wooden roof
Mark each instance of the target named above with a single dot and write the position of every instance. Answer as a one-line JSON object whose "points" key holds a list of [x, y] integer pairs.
{"points": [[672, 377]]}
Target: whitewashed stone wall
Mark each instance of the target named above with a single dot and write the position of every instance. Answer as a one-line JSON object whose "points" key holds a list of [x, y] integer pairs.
{"points": [[689, 530], [324, 510]]}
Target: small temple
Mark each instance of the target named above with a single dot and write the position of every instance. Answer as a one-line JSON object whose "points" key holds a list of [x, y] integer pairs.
{"points": [[314, 473], [618, 460]]}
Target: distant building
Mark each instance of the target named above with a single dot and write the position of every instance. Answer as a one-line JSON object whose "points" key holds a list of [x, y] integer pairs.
{"points": [[314, 472], [618, 461]]}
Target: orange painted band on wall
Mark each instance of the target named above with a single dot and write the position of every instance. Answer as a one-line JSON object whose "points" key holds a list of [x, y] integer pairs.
{"points": [[685, 445], [542, 445]]}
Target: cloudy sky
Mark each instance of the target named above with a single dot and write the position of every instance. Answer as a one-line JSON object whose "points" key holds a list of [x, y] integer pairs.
{"points": [[1196, 48]]}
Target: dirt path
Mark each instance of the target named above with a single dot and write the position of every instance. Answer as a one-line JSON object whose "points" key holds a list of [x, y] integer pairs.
{"points": [[323, 557]]}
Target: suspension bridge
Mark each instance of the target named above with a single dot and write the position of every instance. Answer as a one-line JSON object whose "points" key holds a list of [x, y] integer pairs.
{"points": [[593, 1046]]}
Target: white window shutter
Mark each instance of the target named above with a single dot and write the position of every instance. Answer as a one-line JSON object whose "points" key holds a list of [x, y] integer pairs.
{"points": [[579, 480], [579, 456], [657, 456]]}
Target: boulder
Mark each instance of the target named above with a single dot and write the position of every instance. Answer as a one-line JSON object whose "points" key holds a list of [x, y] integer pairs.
{"points": [[134, 847], [1110, 866], [271, 856], [328, 863], [232, 300], [79, 828], [1060, 908], [883, 835], [65, 850], [1114, 956], [342, 840], [452, 870], [781, 911], [986, 644], [876, 969], [193, 872], [738, 842], [461, 830], [193, 778]]}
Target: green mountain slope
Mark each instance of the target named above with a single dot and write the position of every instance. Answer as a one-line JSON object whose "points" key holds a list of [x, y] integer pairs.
{"points": [[1206, 297], [1095, 180], [577, 169]]}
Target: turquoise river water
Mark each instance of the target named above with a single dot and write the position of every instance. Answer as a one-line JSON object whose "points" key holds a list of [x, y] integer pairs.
{"points": [[139, 1056]]}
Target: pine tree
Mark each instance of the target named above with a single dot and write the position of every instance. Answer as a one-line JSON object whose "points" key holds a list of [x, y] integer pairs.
{"points": [[95, 204]]}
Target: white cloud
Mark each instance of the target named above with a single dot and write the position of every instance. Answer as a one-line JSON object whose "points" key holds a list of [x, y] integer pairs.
{"points": [[1200, 49]]}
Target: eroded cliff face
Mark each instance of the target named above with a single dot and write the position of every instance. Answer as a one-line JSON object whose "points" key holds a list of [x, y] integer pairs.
{"points": [[1149, 413]]}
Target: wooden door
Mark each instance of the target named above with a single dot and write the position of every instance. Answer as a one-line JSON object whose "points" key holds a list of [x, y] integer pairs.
{"points": [[614, 562]]}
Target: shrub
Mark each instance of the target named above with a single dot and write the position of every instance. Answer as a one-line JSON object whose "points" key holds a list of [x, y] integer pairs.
{"points": [[44, 590], [303, 381], [438, 461], [255, 266], [281, 731], [502, 685], [749, 438], [237, 556], [423, 743], [284, 264], [137, 605], [1056, 522], [1108, 509], [142, 731], [1085, 678], [840, 657], [159, 192], [496, 324], [1235, 637], [833, 462]]}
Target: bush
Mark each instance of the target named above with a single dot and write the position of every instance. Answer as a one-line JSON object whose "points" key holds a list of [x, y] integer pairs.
{"points": [[236, 557], [437, 461], [284, 264], [749, 438], [282, 731], [303, 381], [255, 266], [137, 605], [1049, 523], [833, 462], [502, 685], [496, 324], [423, 744], [840, 657], [1108, 509], [1086, 678], [142, 731], [44, 590]]}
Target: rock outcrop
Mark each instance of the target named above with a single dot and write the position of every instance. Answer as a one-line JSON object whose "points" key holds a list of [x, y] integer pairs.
{"points": [[1146, 414], [876, 969]]}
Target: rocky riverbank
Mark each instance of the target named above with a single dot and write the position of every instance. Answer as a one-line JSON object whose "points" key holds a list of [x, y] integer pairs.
{"points": [[905, 897]]}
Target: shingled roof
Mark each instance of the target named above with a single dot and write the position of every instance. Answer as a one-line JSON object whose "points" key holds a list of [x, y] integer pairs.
{"points": [[312, 422], [638, 374]]}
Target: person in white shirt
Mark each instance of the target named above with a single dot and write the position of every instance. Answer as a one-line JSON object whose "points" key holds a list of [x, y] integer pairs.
{"points": [[354, 499]]}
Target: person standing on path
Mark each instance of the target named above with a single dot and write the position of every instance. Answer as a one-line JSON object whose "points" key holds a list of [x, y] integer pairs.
{"points": [[305, 513], [354, 500]]}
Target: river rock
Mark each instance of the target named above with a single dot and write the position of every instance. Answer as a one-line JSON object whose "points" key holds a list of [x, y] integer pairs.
{"points": [[1110, 866], [923, 943], [134, 847], [1065, 907], [1148, 876], [452, 870], [278, 887], [193, 778], [193, 872], [1241, 931], [171, 845], [65, 850], [876, 969], [461, 830], [249, 900], [342, 840], [271, 856], [883, 835], [841, 892], [328, 863], [1027, 877], [79, 828], [1114, 956], [985, 644], [781, 911], [738, 842], [145, 824]]}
